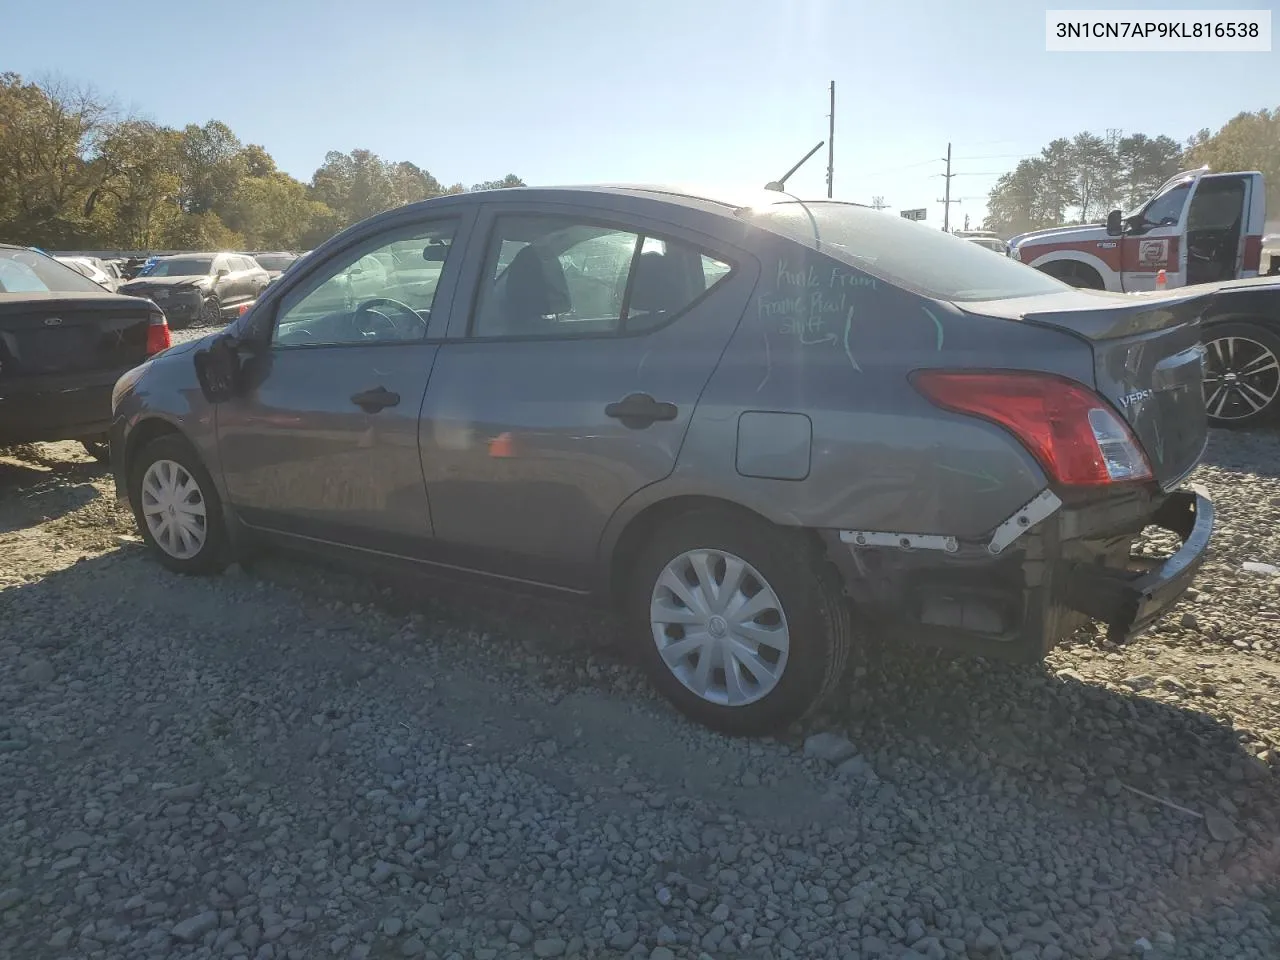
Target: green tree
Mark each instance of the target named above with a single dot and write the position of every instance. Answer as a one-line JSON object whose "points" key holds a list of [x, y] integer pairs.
{"points": [[1145, 163], [1095, 172], [48, 136], [136, 198], [1248, 141], [510, 180], [212, 165]]}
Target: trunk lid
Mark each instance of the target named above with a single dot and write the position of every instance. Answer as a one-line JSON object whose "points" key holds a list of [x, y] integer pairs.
{"points": [[1148, 363], [43, 334]]}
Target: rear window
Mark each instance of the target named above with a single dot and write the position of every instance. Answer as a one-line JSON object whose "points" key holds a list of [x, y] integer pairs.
{"points": [[25, 271], [906, 254]]}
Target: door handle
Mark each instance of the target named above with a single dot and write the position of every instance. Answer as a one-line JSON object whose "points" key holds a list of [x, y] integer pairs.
{"points": [[371, 401], [640, 410]]}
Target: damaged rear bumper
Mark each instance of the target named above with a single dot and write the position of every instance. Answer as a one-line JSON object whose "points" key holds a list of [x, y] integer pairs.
{"points": [[1016, 598], [1129, 602]]}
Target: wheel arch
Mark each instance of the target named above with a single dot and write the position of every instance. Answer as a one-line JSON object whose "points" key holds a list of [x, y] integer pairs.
{"points": [[1080, 258], [143, 432], [635, 522]]}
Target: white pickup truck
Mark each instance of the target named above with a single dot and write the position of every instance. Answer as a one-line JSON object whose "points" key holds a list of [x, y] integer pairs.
{"points": [[1200, 227]]}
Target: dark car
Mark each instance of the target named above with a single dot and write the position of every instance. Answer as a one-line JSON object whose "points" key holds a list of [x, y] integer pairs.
{"points": [[275, 263], [747, 423], [205, 287], [1241, 333], [64, 341]]}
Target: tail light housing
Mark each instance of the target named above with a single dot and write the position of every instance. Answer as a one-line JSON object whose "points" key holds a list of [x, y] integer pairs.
{"points": [[158, 337], [1075, 435]]}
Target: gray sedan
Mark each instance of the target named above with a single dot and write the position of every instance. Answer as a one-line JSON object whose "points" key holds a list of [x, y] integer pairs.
{"points": [[754, 426]]}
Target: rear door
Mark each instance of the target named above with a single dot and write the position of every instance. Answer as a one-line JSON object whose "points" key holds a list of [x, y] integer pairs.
{"points": [[568, 382]]}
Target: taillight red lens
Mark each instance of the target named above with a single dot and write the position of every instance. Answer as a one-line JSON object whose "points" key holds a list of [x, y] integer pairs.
{"points": [[1076, 436], [158, 334]]}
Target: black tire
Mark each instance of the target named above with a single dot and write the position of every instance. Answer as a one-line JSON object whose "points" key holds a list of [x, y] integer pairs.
{"points": [[807, 587], [1234, 403], [211, 311], [215, 552], [100, 450]]}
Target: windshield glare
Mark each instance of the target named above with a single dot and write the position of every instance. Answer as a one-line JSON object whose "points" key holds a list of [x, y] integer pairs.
{"points": [[181, 267], [906, 254], [25, 271], [269, 262]]}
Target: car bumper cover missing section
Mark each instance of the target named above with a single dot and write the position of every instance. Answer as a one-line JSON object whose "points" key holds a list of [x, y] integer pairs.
{"points": [[1129, 601]]}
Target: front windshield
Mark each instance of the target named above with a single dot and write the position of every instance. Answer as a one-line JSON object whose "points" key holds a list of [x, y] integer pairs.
{"points": [[902, 252], [181, 267], [25, 271]]}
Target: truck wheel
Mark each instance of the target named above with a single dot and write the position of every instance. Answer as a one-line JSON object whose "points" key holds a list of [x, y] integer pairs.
{"points": [[741, 625], [1076, 274], [176, 507], [1242, 374]]}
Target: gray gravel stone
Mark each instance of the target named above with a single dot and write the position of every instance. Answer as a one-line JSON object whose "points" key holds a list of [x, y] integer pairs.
{"points": [[193, 928]]}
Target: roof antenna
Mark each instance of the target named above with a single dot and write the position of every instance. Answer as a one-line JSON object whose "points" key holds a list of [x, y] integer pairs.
{"points": [[780, 184]]}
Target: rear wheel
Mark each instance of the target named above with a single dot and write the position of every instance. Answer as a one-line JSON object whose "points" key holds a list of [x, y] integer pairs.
{"points": [[741, 625], [1076, 274], [177, 508], [1242, 374]]}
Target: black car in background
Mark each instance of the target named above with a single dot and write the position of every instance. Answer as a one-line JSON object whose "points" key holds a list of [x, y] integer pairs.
{"points": [[275, 263], [208, 287], [64, 341]]}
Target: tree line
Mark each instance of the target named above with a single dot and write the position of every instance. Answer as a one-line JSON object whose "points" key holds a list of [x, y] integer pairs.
{"points": [[1082, 178], [76, 174]]}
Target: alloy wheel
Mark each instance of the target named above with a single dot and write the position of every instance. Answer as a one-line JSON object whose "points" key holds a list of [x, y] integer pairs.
{"points": [[719, 627], [1241, 379], [174, 509]]}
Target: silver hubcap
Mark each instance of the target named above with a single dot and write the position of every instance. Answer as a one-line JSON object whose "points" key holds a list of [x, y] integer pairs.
{"points": [[173, 508], [1242, 378], [719, 627]]}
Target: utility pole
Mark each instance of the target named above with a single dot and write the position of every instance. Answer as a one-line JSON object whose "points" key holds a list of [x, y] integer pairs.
{"points": [[946, 200], [831, 142]]}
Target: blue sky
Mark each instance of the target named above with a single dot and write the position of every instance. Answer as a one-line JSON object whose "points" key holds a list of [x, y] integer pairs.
{"points": [[694, 91]]}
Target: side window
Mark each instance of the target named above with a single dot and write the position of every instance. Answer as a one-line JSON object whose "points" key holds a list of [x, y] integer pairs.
{"points": [[382, 290], [556, 277], [221, 263], [1166, 209]]}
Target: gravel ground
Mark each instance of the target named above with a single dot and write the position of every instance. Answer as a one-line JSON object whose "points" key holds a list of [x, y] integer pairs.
{"points": [[294, 762]]}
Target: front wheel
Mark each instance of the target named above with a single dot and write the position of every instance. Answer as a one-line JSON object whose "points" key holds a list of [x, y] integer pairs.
{"points": [[741, 625], [1241, 374], [211, 311], [177, 508]]}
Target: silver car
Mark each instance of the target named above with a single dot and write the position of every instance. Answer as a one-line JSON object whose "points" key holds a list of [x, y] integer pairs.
{"points": [[754, 426]]}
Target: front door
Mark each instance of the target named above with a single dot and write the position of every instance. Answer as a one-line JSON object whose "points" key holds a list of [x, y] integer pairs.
{"points": [[323, 443], [569, 385], [1154, 240]]}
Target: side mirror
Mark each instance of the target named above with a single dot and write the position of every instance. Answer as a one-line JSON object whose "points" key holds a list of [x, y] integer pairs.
{"points": [[222, 272], [218, 369], [1115, 225]]}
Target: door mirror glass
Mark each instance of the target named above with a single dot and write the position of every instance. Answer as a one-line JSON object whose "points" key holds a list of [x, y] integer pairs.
{"points": [[1115, 224], [222, 272], [218, 369]]}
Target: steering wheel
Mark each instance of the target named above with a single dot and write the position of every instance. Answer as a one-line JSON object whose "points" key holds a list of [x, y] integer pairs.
{"points": [[368, 309], [1205, 248]]}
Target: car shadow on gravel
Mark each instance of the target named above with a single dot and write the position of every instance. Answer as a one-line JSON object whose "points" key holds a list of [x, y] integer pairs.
{"points": [[34, 490], [1254, 451], [1074, 743]]}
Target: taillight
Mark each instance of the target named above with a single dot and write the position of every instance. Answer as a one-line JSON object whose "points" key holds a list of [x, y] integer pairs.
{"points": [[1075, 435], [158, 334]]}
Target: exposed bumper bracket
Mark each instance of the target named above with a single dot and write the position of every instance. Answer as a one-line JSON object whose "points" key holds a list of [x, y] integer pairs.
{"points": [[1043, 505], [1129, 601], [903, 541]]}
